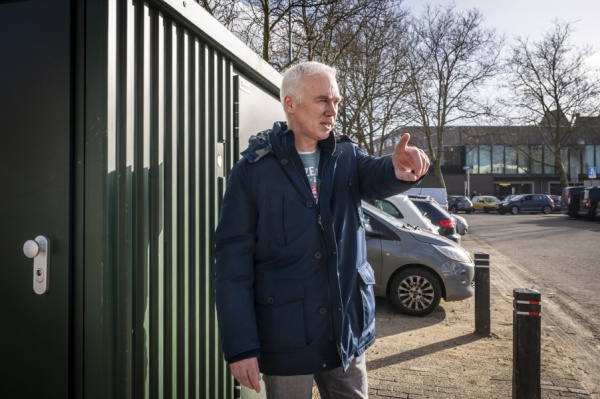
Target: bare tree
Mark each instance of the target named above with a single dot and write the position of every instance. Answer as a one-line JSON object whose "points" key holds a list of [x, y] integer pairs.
{"points": [[551, 85], [285, 32], [226, 11], [373, 80], [451, 58]]}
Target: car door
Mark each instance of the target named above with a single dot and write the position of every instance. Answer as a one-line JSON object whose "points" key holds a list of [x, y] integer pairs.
{"points": [[537, 203], [392, 250], [373, 240], [35, 201]]}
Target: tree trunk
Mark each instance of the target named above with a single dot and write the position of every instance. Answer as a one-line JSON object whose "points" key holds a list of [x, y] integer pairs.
{"points": [[437, 168], [562, 173]]}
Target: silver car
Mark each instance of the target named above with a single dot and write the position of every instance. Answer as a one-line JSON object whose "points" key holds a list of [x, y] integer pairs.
{"points": [[462, 226], [413, 268]]}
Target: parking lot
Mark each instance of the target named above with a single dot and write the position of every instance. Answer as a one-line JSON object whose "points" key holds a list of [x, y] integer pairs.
{"points": [[560, 257], [561, 252]]}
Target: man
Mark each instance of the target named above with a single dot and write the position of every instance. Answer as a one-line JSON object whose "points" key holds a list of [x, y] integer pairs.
{"points": [[294, 289]]}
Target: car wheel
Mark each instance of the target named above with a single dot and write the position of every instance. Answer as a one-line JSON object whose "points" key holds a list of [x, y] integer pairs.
{"points": [[453, 209], [514, 210], [591, 216], [415, 292], [547, 209], [468, 211]]}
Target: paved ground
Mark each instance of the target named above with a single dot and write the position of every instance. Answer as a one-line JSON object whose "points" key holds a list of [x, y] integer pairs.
{"points": [[439, 356]]}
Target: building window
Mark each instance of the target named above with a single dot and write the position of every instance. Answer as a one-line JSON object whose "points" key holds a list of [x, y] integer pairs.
{"points": [[549, 161], [536, 159], [592, 155], [522, 160], [473, 158], [574, 160], [498, 159], [510, 156], [485, 159]]}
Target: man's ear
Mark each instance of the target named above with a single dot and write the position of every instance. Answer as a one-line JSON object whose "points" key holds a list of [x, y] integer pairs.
{"points": [[289, 104]]}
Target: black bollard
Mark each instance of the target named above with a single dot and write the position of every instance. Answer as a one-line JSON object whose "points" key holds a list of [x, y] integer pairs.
{"points": [[482, 294], [527, 323]]}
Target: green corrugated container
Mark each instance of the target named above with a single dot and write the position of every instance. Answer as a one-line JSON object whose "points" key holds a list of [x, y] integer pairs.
{"points": [[121, 120]]}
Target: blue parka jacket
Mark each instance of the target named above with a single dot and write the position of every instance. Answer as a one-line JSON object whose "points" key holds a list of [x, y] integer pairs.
{"points": [[293, 285]]}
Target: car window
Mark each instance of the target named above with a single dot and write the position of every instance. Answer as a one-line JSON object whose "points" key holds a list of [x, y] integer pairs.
{"points": [[375, 229], [430, 209], [389, 208]]}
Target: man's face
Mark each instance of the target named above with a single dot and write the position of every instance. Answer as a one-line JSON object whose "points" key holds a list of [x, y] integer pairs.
{"points": [[313, 117]]}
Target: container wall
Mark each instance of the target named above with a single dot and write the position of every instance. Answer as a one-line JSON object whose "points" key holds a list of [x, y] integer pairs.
{"points": [[161, 131]]}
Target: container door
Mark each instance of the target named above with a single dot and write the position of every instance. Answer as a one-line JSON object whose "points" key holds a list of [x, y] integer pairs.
{"points": [[35, 199]]}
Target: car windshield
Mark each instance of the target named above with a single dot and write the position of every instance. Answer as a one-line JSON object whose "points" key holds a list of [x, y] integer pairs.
{"points": [[491, 199]]}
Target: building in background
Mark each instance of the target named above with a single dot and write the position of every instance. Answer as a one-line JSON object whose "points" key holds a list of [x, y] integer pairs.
{"points": [[497, 156]]}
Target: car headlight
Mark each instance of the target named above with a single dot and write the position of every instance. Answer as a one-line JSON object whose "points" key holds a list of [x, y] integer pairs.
{"points": [[457, 254]]}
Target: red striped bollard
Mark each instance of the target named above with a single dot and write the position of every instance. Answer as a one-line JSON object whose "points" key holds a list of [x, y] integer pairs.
{"points": [[527, 324], [482, 294]]}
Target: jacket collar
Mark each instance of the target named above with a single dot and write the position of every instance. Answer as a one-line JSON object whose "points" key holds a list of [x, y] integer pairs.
{"points": [[279, 140]]}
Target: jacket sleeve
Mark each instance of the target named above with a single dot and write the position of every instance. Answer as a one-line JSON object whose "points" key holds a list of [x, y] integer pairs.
{"points": [[235, 240], [377, 178]]}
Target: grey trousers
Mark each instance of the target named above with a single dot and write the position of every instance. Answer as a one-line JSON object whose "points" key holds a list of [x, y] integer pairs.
{"points": [[333, 384]]}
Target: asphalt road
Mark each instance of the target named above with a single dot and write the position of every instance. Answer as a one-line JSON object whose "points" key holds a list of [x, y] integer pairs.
{"points": [[560, 257], [563, 253]]}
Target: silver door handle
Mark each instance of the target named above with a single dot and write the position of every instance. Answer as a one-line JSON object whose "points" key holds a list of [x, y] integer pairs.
{"points": [[39, 251]]}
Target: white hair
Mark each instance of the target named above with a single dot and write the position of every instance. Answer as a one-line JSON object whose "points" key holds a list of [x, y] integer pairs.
{"points": [[292, 78]]}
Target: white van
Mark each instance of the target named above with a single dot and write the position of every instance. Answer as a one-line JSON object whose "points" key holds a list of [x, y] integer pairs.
{"points": [[402, 208], [438, 194]]}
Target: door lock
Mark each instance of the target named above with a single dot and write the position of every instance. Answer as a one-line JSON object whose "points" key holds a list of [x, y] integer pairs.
{"points": [[39, 251]]}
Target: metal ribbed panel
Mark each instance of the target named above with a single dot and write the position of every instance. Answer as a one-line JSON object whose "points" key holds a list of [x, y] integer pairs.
{"points": [[169, 106]]}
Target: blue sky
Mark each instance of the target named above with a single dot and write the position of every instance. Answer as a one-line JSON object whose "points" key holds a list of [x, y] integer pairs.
{"points": [[533, 17]]}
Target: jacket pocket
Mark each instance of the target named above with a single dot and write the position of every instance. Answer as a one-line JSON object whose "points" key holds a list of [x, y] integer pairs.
{"points": [[366, 281], [279, 308], [274, 212]]}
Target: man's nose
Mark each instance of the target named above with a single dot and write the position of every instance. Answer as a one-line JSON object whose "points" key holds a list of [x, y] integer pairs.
{"points": [[331, 109]]}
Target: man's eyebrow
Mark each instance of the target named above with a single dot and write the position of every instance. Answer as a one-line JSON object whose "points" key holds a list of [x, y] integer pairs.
{"points": [[328, 97]]}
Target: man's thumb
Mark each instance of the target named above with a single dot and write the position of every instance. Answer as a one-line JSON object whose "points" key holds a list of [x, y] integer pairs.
{"points": [[403, 142]]}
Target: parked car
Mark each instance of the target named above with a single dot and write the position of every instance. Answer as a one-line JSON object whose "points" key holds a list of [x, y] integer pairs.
{"points": [[438, 216], [533, 203], [413, 268], [402, 208], [457, 203], [462, 226], [569, 201], [589, 202], [484, 203], [438, 194], [557, 200]]}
